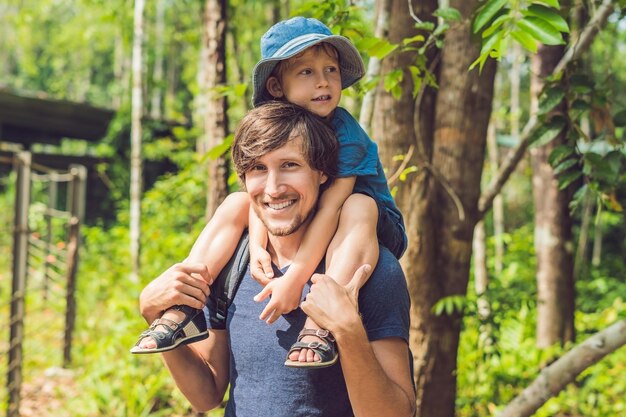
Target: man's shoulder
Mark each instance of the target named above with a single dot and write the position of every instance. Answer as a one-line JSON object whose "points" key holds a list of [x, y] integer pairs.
{"points": [[384, 300], [387, 279]]}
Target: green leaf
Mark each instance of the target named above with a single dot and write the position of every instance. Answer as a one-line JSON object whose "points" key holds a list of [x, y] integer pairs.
{"points": [[541, 30], [549, 15], [524, 39], [393, 79], [448, 13], [552, 3], [550, 99], [381, 49], [569, 177], [417, 38], [427, 26], [496, 25], [547, 132], [559, 153], [565, 165], [620, 118], [580, 104], [406, 172], [442, 28], [219, 150], [487, 12], [417, 79], [614, 161]]}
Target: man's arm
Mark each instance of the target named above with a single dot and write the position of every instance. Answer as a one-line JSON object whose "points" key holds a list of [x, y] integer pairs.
{"points": [[377, 374], [200, 369]]}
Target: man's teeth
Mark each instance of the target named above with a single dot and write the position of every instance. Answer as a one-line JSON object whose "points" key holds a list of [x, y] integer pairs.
{"points": [[278, 206]]}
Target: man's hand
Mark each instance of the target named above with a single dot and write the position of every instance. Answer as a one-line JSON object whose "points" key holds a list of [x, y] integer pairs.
{"points": [[330, 304], [285, 298], [181, 284], [260, 264]]}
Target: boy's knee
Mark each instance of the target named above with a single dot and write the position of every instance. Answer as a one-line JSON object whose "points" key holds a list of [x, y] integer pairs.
{"points": [[360, 207], [236, 203]]}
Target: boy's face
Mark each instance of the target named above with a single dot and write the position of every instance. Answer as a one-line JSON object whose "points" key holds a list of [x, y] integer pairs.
{"points": [[311, 80]]}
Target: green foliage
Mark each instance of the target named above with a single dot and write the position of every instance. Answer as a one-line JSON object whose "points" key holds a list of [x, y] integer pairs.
{"points": [[527, 22], [497, 354]]}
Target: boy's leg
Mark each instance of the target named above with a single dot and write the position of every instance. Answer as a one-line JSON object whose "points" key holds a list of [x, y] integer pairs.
{"points": [[355, 243], [214, 247]]}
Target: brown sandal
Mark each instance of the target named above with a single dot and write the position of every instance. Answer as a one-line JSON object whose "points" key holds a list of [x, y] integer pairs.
{"points": [[327, 349]]}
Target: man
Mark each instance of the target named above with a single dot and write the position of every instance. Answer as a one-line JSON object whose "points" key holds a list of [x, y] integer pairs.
{"points": [[285, 157]]}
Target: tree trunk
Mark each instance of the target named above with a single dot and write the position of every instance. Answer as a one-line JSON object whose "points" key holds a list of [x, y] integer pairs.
{"points": [[157, 75], [135, 152], [373, 66], [212, 106], [553, 225], [448, 129], [481, 276]]}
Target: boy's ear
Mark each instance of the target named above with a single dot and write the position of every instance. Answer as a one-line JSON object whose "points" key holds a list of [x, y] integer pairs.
{"points": [[273, 87]]}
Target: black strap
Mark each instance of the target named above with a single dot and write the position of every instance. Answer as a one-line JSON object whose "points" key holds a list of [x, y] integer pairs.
{"points": [[227, 283]]}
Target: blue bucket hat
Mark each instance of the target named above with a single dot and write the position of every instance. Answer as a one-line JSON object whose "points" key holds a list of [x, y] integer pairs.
{"points": [[290, 37]]}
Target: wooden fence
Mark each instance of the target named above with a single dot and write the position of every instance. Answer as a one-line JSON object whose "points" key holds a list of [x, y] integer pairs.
{"points": [[46, 241]]}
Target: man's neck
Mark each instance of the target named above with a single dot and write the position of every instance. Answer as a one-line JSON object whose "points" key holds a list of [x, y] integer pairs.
{"points": [[283, 249]]}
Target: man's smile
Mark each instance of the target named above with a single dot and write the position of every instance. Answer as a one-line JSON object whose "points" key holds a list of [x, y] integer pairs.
{"points": [[280, 205]]}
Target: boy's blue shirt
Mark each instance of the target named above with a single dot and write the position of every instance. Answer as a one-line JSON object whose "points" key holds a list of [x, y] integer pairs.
{"points": [[358, 156]]}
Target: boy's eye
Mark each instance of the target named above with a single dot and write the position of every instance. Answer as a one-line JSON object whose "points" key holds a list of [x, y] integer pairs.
{"points": [[258, 167], [290, 164], [332, 69], [305, 71]]}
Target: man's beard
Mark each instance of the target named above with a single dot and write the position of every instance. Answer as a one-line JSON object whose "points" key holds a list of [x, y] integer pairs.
{"points": [[293, 227]]}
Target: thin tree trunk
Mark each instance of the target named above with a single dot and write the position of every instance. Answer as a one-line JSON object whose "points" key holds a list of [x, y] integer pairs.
{"points": [[135, 153], [553, 225], [118, 71], [583, 238], [481, 276], [373, 66], [596, 255], [555, 377], [157, 75], [212, 108], [498, 202]]}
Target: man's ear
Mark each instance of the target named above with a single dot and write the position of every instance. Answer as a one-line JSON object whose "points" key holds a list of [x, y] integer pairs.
{"points": [[323, 179], [273, 87]]}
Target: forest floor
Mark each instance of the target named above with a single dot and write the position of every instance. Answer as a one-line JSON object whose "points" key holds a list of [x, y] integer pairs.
{"points": [[44, 395]]}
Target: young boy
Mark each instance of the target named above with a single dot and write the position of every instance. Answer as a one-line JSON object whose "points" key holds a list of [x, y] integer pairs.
{"points": [[304, 63]]}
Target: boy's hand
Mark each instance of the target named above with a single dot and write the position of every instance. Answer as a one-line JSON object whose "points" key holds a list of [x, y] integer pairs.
{"points": [[285, 298], [260, 265]]}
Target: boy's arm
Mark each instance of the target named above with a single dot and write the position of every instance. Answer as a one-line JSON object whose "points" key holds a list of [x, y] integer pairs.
{"points": [[260, 260], [286, 291]]}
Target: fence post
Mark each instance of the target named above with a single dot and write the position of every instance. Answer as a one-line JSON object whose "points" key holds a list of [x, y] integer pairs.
{"points": [[76, 204], [20, 258], [52, 204]]}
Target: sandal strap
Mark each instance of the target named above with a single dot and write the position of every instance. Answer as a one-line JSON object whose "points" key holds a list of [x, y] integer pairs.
{"points": [[321, 333]]}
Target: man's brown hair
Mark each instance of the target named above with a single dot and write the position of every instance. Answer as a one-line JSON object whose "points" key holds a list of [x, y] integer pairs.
{"points": [[271, 125]]}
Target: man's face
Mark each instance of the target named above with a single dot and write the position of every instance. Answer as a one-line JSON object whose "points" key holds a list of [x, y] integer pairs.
{"points": [[283, 188]]}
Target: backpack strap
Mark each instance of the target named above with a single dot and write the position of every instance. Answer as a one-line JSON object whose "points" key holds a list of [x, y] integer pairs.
{"points": [[227, 283]]}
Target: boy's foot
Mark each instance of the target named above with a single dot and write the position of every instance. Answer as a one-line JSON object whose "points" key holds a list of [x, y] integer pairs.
{"points": [[318, 352], [179, 325]]}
